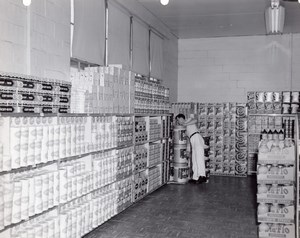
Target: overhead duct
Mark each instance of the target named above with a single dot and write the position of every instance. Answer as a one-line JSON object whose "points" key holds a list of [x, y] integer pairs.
{"points": [[274, 17]]}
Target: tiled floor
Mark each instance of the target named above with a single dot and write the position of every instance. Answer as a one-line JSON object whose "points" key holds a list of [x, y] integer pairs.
{"points": [[223, 208]]}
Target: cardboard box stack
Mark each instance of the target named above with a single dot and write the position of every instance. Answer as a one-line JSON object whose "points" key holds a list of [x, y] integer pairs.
{"points": [[241, 139], [150, 96], [225, 124], [29, 94], [276, 182], [103, 90]]}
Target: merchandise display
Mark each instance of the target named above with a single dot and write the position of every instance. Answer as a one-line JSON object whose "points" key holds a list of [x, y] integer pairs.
{"points": [[180, 164], [226, 125], [150, 96], [273, 123], [151, 156], [62, 175], [103, 90], [28, 94], [276, 182], [273, 102]]}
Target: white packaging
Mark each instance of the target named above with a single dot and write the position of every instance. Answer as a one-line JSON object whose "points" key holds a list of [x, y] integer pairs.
{"points": [[24, 142], [15, 142], [73, 137], [16, 206], [68, 137], [63, 186], [45, 142], [51, 228], [31, 202], [74, 221], [95, 212], [5, 162], [69, 224], [38, 231], [45, 191], [51, 189], [24, 199], [1, 204], [1, 156], [62, 138], [57, 227], [8, 188], [38, 143], [51, 139], [56, 197], [56, 142], [78, 135], [74, 187], [31, 141], [38, 189], [81, 135], [45, 228]]}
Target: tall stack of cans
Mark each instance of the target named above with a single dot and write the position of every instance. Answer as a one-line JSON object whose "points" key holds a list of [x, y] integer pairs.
{"points": [[286, 102], [262, 107], [276, 183], [241, 139], [29, 94], [219, 122], [150, 96], [290, 102]]}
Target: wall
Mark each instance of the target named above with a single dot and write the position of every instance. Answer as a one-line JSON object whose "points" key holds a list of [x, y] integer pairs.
{"points": [[35, 40], [170, 69], [170, 57], [224, 69]]}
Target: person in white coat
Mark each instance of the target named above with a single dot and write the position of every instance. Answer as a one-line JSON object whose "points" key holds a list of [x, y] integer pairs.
{"points": [[197, 147]]}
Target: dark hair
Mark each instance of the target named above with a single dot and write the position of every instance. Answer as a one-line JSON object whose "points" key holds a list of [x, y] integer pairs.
{"points": [[180, 116]]}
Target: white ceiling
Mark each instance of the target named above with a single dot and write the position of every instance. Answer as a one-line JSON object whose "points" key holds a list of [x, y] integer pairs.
{"points": [[219, 18]]}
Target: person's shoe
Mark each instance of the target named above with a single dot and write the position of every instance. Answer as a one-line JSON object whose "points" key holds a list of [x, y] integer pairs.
{"points": [[202, 179], [193, 181]]}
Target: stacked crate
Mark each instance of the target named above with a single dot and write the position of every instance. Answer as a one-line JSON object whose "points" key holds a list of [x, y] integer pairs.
{"points": [[29, 94], [241, 140], [275, 190]]}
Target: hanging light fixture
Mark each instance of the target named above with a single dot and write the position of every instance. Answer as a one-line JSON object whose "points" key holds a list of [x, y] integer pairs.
{"points": [[274, 17], [26, 3], [166, 2]]}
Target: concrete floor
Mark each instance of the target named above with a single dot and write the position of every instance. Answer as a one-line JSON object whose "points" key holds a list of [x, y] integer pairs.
{"points": [[223, 208]]}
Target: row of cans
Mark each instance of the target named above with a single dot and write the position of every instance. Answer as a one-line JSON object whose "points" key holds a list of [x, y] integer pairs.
{"points": [[28, 83], [273, 97]]}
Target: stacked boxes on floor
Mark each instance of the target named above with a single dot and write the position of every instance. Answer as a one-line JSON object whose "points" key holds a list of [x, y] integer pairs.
{"points": [[28, 94], [276, 182], [166, 146], [219, 122], [103, 90], [241, 140]]}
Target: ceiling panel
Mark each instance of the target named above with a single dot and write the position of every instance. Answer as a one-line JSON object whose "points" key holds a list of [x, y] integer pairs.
{"points": [[216, 18]]}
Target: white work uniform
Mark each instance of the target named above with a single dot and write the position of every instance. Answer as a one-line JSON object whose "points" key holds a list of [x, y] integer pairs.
{"points": [[197, 144]]}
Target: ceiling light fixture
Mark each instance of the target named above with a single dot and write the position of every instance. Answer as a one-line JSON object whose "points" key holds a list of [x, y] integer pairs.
{"points": [[274, 17], [166, 2], [26, 3]]}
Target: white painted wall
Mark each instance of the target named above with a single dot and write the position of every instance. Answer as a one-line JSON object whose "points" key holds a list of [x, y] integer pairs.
{"points": [[224, 69], [35, 40], [170, 69], [170, 53]]}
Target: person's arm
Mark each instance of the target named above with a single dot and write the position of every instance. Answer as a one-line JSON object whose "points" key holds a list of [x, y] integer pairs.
{"points": [[190, 121]]}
